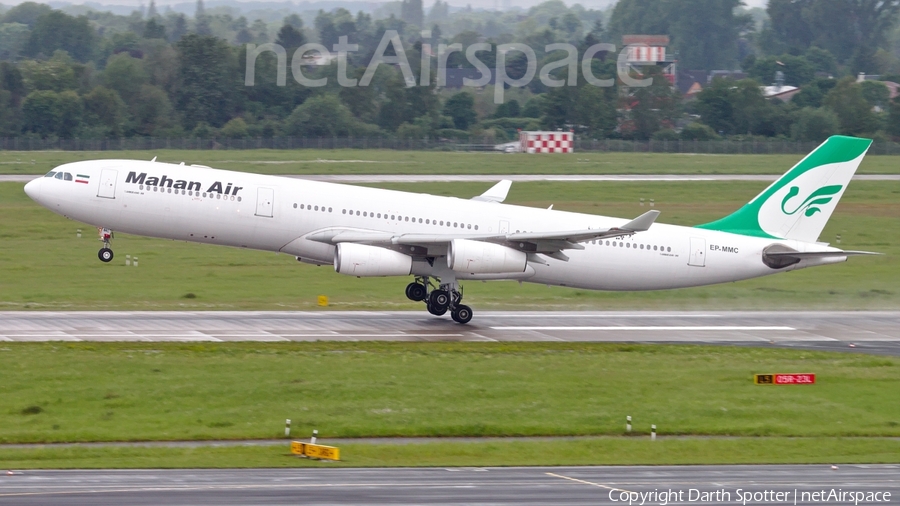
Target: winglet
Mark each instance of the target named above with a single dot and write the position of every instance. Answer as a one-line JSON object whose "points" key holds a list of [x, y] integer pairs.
{"points": [[497, 193], [642, 222]]}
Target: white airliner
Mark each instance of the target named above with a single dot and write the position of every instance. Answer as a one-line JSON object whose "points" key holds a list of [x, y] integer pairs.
{"points": [[442, 240]]}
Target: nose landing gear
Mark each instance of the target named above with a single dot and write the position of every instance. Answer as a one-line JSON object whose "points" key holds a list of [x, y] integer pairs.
{"points": [[106, 253], [447, 297]]}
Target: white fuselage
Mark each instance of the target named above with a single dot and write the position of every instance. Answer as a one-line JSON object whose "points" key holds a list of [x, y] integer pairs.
{"points": [[272, 213]]}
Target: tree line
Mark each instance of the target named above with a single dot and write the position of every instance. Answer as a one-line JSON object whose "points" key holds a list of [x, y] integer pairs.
{"points": [[153, 74]]}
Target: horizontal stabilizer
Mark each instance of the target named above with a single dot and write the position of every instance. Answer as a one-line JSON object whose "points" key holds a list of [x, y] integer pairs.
{"points": [[497, 193], [818, 254]]}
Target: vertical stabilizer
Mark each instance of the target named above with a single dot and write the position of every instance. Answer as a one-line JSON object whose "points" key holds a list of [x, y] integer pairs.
{"points": [[797, 206]]}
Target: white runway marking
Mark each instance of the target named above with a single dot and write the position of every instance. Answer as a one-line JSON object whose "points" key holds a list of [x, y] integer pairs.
{"points": [[603, 315], [611, 327]]}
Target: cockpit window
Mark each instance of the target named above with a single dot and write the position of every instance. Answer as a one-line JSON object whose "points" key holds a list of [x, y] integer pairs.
{"points": [[68, 177], [59, 175], [51, 174]]}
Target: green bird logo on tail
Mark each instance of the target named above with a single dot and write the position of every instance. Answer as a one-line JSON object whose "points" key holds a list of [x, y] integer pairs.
{"points": [[816, 198]]}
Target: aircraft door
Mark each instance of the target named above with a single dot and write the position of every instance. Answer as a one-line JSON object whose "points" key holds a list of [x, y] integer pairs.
{"points": [[265, 199], [504, 227], [698, 252], [107, 188]]}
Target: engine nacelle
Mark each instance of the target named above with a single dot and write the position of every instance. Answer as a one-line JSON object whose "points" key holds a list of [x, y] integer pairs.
{"points": [[484, 257], [362, 260]]}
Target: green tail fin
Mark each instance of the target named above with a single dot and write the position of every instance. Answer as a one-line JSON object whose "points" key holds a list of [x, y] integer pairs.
{"points": [[798, 205]]}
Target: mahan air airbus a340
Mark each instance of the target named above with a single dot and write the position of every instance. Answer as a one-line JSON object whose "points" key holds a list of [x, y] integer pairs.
{"points": [[443, 240]]}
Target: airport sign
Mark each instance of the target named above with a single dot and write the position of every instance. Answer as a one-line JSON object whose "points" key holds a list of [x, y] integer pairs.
{"points": [[785, 379]]}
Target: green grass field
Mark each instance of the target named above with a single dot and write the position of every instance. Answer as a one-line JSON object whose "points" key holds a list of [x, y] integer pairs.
{"points": [[58, 392], [603, 451], [44, 265], [354, 161]]}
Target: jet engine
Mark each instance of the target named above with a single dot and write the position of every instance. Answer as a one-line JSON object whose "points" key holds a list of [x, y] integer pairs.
{"points": [[362, 260], [484, 257]]}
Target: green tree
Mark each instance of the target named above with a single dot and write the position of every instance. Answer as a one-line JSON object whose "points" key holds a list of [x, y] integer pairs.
{"points": [[125, 75], [56, 74], [653, 107], [153, 112], [48, 113], [875, 93], [893, 119], [26, 13], [814, 125], [797, 70], [207, 78], [698, 132], [855, 114], [321, 116], [290, 38], [13, 37], [813, 93], [9, 115], [154, 29], [56, 30], [236, 128], [594, 111], [849, 29], [461, 108], [105, 111], [739, 107], [705, 32], [411, 11]]}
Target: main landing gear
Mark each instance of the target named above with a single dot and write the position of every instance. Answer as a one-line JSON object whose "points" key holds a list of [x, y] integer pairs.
{"points": [[106, 253], [447, 297]]}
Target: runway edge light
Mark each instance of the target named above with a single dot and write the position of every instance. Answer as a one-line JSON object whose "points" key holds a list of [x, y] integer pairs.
{"points": [[785, 379]]}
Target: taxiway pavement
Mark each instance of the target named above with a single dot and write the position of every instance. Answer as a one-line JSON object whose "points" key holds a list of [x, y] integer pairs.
{"points": [[613, 485], [867, 331]]}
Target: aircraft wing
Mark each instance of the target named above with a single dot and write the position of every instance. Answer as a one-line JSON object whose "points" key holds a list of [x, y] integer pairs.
{"points": [[547, 243]]}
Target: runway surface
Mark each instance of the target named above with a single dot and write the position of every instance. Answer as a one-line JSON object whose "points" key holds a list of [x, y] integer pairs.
{"points": [[521, 178], [868, 331], [743, 485]]}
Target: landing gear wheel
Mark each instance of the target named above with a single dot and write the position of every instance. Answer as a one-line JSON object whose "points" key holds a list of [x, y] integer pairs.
{"points": [[437, 311], [416, 292], [439, 300], [105, 254], [461, 314]]}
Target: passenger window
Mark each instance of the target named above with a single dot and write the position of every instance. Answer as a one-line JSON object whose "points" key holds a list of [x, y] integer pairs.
{"points": [[295, 206], [476, 227]]}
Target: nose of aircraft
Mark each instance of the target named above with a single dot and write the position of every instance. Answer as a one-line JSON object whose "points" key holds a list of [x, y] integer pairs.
{"points": [[33, 188]]}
